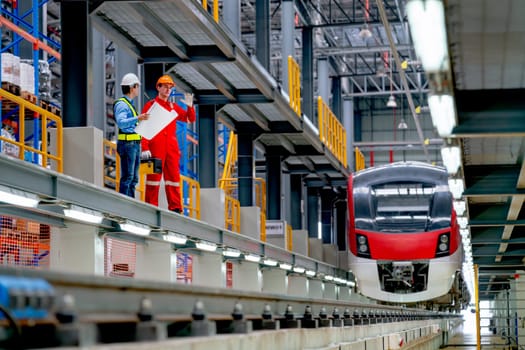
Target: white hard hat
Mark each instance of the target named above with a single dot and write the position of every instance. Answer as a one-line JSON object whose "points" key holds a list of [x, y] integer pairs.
{"points": [[129, 79]]}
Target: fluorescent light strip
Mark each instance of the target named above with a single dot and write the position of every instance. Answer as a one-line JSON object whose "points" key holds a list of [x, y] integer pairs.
{"points": [[84, 214], [285, 266], [17, 197], [175, 238], [135, 228], [427, 26], [329, 277], [206, 246], [310, 273], [252, 257], [299, 269], [451, 158], [270, 262], [231, 253]]}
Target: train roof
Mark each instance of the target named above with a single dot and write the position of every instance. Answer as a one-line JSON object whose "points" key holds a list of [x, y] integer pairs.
{"points": [[401, 172]]}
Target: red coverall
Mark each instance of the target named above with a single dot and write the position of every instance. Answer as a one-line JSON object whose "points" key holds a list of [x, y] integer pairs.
{"points": [[165, 147]]}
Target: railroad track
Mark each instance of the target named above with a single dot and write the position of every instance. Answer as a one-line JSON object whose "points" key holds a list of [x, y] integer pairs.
{"points": [[85, 310]]}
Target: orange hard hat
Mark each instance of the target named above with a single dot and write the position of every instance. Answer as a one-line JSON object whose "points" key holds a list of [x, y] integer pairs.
{"points": [[165, 79]]}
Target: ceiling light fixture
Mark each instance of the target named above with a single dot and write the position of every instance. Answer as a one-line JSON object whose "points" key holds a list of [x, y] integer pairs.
{"points": [[135, 227], [252, 257], [299, 269], [310, 273], [18, 197], [285, 266], [451, 158], [459, 207], [206, 246], [456, 187], [391, 102], [84, 214], [427, 25], [443, 113], [231, 253], [402, 124], [175, 238], [365, 33], [270, 262]]}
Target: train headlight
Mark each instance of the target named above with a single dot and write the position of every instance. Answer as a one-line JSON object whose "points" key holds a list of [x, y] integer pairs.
{"points": [[362, 246], [443, 245]]}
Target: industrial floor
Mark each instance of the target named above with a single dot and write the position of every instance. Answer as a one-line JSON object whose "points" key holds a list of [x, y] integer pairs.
{"points": [[466, 338]]}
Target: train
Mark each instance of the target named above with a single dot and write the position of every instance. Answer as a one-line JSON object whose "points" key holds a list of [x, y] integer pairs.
{"points": [[403, 236]]}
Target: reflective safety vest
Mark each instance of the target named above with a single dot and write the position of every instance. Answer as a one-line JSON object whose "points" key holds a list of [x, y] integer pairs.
{"points": [[128, 137]]}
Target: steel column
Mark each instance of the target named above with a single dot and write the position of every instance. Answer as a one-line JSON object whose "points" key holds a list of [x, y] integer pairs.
{"points": [[312, 194], [323, 79], [207, 128], [296, 200], [307, 74], [231, 14], [336, 98], [287, 32], [327, 200], [245, 170], [76, 46], [273, 186], [348, 123], [340, 223], [262, 32]]}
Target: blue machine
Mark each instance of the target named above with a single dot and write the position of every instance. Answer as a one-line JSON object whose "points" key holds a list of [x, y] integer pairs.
{"points": [[25, 298]]}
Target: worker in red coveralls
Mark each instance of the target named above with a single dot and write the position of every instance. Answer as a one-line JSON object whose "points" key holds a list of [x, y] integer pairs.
{"points": [[164, 146]]}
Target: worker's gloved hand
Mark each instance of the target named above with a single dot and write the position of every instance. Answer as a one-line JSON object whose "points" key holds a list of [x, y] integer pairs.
{"points": [[188, 99], [145, 155]]}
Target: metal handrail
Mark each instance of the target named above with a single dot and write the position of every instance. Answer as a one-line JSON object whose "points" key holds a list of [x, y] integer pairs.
{"points": [[46, 118], [331, 132], [191, 190], [294, 85]]}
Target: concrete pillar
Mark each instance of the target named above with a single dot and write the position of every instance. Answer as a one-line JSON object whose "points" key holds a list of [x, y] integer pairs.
{"points": [[297, 285], [307, 74], [247, 276], [83, 156], [300, 242], [330, 291], [262, 32], [275, 281], [212, 206], [77, 248], [155, 262], [209, 270], [344, 293], [251, 222], [315, 289]]}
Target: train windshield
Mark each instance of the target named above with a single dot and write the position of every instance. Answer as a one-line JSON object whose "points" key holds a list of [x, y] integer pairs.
{"points": [[402, 207]]}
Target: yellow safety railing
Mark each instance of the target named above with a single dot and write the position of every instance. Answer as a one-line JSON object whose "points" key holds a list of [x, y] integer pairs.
{"points": [[359, 159], [110, 151], [260, 201], [331, 131], [215, 8], [46, 117], [231, 158], [294, 85], [289, 237], [193, 195], [232, 208]]}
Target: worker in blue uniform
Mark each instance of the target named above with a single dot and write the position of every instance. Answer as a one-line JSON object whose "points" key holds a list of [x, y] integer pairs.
{"points": [[128, 141]]}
